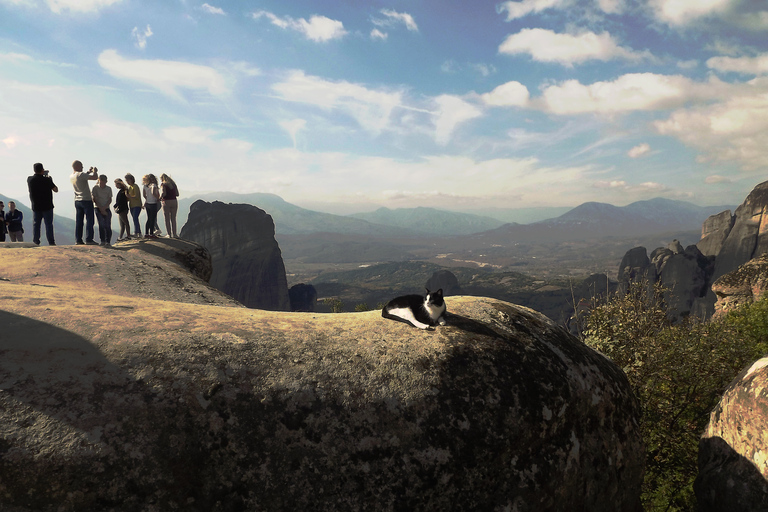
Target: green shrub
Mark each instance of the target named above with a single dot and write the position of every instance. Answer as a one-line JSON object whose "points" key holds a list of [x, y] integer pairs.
{"points": [[336, 304], [678, 374]]}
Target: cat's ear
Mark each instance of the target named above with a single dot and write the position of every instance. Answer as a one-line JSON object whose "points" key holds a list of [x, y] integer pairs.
{"points": [[439, 292], [428, 292]]}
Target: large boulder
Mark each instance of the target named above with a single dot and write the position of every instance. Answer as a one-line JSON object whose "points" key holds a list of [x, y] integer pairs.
{"points": [[684, 277], [247, 263], [749, 236], [635, 266], [733, 467], [714, 232], [744, 285], [444, 280], [303, 297], [228, 408]]}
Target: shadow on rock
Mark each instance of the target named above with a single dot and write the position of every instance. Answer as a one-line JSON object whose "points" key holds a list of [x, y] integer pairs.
{"points": [[728, 481]]}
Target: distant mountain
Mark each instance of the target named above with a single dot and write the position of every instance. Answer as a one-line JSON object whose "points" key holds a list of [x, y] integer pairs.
{"points": [[430, 221], [63, 227], [641, 217], [293, 220], [586, 221], [521, 215]]}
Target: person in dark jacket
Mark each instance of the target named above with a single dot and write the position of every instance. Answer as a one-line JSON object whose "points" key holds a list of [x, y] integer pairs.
{"points": [[13, 219], [2, 221], [41, 189], [121, 209]]}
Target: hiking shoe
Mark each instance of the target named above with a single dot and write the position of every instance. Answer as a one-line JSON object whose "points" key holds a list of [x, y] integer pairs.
{"points": [[90, 242]]}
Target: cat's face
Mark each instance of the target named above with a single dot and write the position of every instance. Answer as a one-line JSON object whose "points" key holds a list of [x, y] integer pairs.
{"points": [[435, 298]]}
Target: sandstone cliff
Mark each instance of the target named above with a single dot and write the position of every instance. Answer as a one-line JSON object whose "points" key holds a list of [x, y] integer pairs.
{"points": [[746, 284], [247, 263], [727, 242], [733, 467], [115, 395], [748, 238]]}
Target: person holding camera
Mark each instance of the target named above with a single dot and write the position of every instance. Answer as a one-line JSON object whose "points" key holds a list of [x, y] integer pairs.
{"points": [[41, 189], [83, 202]]}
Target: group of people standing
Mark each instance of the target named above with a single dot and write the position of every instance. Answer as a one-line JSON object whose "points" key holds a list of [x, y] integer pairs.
{"points": [[10, 223], [98, 201], [95, 203]]}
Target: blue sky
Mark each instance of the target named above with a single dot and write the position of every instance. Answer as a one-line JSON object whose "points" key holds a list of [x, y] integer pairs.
{"points": [[344, 105]]}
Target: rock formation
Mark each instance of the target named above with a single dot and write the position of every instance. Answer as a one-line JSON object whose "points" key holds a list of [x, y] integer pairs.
{"points": [[726, 243], [217, 407], [748, 238], [684, 274], [733, 468], [445, 280], [742, 286], [246, 259], [303, 297], [714, 232]]}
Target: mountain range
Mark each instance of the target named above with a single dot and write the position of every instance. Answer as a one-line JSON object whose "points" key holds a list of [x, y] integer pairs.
{"points": [[587, 220]]}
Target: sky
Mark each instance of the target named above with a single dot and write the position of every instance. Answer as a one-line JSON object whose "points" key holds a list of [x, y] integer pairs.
{"points": [[348, 105]]}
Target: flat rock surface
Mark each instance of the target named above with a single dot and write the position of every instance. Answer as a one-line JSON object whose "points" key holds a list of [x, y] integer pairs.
{"points": [[128, 384]]}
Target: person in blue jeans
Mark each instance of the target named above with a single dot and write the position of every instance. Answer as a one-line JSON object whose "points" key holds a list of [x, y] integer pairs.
{"points": [[41, 189], [83, 202], [102, 200]]}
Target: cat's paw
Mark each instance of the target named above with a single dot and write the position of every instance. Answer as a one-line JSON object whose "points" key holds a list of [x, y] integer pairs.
{"points": [[441, 321]]}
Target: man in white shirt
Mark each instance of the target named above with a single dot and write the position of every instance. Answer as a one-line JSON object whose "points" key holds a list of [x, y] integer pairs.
{"points": [[83, 202], [102, 200]]}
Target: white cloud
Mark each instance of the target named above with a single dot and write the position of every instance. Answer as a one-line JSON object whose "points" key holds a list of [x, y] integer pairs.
{"points": [[319, 29], [378, 34], [612, 6], [370, 108], [396, 18], [732, 130], [58, 6], [631, 92], [11, 141], [141, 37], [164, 75], [484, 69], [681, 12], [244, 68], [518, 9], [639, 150], [212, 10], [688, 64], [745, 65], [620, 184], [566, 49], [452, 111], [714, 179], [293, 127], [510, 94]]}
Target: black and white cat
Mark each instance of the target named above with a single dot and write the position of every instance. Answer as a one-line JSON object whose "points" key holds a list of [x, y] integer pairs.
{"points": [[421, 312]]}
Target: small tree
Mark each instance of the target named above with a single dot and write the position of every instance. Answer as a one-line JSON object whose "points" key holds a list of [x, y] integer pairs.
{"points": [[336, 304], [678, 374]]}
